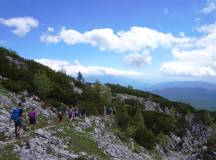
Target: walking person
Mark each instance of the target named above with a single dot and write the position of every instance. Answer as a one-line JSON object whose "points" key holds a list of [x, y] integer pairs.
{"points": [[16, 116], [32, 118], [61, 112], [70, 114], [113, 110], [83, 112], [77, 114], [105, 111]]}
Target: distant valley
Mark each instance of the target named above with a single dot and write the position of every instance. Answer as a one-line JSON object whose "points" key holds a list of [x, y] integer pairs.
{"points": [[201, 95]]}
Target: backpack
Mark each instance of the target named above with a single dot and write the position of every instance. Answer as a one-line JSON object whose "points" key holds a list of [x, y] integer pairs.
{"points": [[32, 115], [15, 114]]}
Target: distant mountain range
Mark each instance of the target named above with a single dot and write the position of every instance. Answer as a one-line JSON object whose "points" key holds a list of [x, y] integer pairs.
{"points": [[201, 95]]}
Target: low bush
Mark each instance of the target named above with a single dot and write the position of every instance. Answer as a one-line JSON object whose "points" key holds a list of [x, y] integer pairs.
{"points": [[145, 138]]}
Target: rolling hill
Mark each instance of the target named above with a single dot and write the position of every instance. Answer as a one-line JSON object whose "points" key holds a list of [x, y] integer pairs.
{"points": [[199, 94]]}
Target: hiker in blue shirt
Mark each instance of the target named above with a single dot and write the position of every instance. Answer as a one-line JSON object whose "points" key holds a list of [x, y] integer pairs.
{"points": [[16, 116]]}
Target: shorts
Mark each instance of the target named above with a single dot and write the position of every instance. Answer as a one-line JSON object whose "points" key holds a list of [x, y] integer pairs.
{"points": [[60, 116], [18, 123], [32, 121], [70, 115]]}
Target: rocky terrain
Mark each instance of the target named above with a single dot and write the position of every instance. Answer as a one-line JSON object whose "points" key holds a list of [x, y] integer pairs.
{"points": [[89, 138]]}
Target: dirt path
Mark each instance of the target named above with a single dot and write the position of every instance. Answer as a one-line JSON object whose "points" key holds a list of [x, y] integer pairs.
{"points": [[25, 134]]}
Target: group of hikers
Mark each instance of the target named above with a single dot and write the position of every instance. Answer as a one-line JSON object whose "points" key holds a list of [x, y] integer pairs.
{"points": [[72, 112], [17, 116]]}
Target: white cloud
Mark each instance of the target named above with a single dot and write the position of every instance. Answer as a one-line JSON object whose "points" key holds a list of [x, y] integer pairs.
{"points": [[50, 29], [200, 61], [137, 39], [181, 34], [192, 56], [75, 67], [22, 25], [211, 28], [2, 43], [49, 38], [210, 7], [136, 59]]}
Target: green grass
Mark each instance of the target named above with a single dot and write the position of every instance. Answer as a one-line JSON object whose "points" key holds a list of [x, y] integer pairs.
{"points": [[90, 129], [2, 136], [80, 142], [42, 121], [7, 153]]}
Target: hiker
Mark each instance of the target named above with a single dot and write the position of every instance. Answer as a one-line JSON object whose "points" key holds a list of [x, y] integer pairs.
{"points": [[77, 112], [105, 111], [83, 112], [61, 112], [16, 116], [113, 110], [70, 114], [32, 118], [110, 110]]}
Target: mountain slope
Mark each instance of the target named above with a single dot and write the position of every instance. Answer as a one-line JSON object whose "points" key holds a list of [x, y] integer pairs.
{"points": [[199, 94], [197, 97], [144, 126], [184, 84]]}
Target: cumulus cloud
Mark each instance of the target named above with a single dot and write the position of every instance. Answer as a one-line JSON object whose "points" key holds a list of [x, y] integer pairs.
{"points": [[192, 56], [199, 61], [134, 40], [49, 38], [210, 7], [132, 43], [22, 25], [136, 59], [75, 67], [50, 29]]}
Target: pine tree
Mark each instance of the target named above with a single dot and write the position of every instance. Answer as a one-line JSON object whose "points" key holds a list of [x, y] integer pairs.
{"points": [[80, 77]]}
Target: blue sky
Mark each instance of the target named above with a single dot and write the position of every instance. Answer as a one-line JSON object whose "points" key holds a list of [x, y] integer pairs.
{"points": [[147, 41]]}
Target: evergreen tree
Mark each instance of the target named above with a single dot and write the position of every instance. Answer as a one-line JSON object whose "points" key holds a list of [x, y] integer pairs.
{"points": [[138, 119], [122, 118], [105, 95], [42, 84], [80, 77]]}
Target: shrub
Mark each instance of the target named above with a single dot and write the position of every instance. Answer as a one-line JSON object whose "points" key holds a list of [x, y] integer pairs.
{"points": [[163, 140], [42, 84], [204, 116], [158, 122], [145, 138], [122, 118], [138, 119], [54, 103], [15, 86]]}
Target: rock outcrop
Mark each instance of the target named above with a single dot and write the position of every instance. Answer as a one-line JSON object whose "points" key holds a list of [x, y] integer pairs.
{"points": [[45, 145]]}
